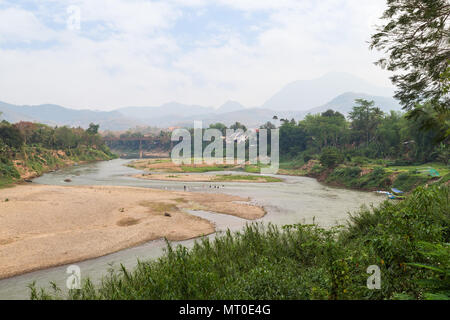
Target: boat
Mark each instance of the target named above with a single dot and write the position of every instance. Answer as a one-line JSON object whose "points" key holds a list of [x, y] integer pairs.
{"points": [[397, 191]]}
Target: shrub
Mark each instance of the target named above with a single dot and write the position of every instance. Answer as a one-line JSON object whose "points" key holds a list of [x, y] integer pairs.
{"points": [[360, 160], [408, 180], [331, 157]]}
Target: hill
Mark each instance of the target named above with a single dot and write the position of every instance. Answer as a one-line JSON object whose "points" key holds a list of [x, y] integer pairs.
{"points": [[306, 94], [345, 102], [57, 115]]}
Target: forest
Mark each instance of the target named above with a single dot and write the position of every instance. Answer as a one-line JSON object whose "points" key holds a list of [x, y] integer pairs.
{"points": [[29, 149], [368, 133]]}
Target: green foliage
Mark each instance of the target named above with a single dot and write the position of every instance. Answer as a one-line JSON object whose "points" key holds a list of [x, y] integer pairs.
{"points": [[234, 177], [238, 126], [352, 177], [93, 129], [331, 157], [370, 134], [11, 136], [365, 119], [437, 286], [218, 167], [293, 139], [358, 160], [415, 36], [408, 180], [34, 146]]}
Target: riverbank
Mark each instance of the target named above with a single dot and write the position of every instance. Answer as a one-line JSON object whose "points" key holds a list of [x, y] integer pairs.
{"points": [[33, 162], [207, 178], [405, 241], [362, 177], [372, 177], [70, 224]]}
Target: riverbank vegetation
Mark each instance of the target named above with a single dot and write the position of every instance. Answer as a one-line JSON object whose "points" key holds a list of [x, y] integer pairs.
{"points": [[30, 149], [407, 240]]}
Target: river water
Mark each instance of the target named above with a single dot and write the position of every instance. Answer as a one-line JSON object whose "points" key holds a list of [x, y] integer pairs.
{"points": [[295, 200]]}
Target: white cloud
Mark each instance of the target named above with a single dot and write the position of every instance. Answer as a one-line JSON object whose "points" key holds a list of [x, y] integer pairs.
{"points": [[17, 25], [128, 54]]}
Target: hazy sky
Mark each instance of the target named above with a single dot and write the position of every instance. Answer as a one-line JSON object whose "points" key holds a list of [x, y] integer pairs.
{"points": [[145, 53]]}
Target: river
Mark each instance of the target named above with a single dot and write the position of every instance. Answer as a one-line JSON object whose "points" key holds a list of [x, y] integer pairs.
{"points": [[295, 200]]}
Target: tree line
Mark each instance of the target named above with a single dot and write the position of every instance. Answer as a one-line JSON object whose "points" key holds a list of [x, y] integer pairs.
{"points": [[368, 132], [14, 136]]}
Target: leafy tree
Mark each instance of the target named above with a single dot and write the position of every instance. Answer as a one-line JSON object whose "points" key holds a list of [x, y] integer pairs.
{"points": [[93, 128], [365, 119], [327, 129], [416, 37], [293, 139], [64, 138], [331, 157], [268, 126], [237, 126], [26, 129], [11, 136], [219, 126], [388, 138]]}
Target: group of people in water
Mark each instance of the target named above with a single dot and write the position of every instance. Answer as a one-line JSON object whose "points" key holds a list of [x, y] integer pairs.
{"points": [[210, 186]]}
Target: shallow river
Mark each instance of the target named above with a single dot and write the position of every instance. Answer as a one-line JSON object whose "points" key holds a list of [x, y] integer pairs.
{"points": [[295, 200]]}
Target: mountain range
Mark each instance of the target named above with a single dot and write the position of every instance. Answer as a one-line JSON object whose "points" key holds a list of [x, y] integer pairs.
{"points": [[335, 91]]}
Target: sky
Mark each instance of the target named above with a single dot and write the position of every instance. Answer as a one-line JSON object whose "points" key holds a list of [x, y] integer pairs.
{"points": [[106, 54]]}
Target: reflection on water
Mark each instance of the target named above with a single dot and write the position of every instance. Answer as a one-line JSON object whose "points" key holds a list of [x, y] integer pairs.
{"points": [[295, 200]]}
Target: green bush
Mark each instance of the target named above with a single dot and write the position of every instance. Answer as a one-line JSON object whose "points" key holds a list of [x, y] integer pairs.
{"points": [[331, 157], [408, 180], [360, 160]]}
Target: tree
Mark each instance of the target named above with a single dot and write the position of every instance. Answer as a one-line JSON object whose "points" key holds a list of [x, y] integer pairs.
{"points": [[293, 139], [26, 129], [11, 136], [268, 126], [327, 129], [219, 126], [93, 128], [365, 119], [64, 138], [237, 126], [416, 37], [331, 157]]}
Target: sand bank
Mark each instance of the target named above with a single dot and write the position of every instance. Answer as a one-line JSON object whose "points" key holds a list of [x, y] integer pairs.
{"points": [[213, 178], [44, 226]]}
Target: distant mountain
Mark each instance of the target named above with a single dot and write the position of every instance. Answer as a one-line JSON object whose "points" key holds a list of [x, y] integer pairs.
{"points": [[56, 115], [169, 109], [230, 106], [345, 102], [332, 91], [251, 117], [306, 94]]}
